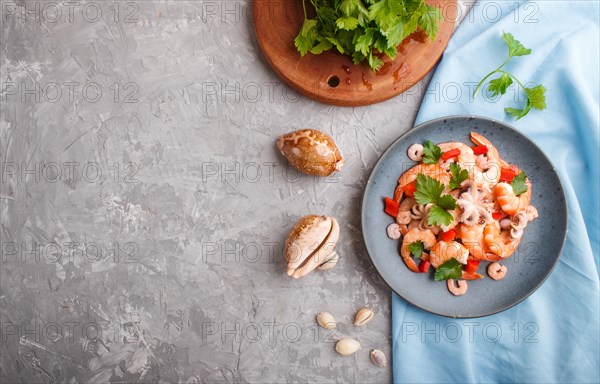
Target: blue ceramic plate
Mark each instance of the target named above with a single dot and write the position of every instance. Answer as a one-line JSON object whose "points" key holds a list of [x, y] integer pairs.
{"points": [[528, 267]]}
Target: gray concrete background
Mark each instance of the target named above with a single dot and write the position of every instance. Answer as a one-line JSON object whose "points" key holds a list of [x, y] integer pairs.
{"points": [[144, 205]]}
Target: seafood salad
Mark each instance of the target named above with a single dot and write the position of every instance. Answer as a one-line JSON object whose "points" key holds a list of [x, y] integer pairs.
{"points": [[458, 206]]}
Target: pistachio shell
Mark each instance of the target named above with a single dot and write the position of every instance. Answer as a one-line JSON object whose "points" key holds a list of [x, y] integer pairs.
{"points": [[311, 151], [347, 346], [363, 316], [326, 320], [310, 244], [378, 358], [330, 262]]}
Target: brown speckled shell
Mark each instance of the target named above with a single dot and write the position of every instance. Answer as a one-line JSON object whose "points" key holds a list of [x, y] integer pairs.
{"points": [[311, 151]]}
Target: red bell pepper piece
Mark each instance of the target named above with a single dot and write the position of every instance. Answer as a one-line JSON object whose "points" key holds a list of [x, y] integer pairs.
{"points": [[449, 235], [450, 154], [424, 266], [507, 175], [472, 266], [391, 207], [480, 149], [471, 276], [409, 189], [497, 215]]}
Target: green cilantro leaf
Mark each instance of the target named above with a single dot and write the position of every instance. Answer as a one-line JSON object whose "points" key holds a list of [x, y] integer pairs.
{"points": [[376, 25], [451, 269], [364, 42], [514, 112], [499, 85], [383, 12], [519, 183], [348, 7], [322, 46], [439, 216], [447, 202], [416, 248], [428, 189], [458, 175], [347, 22], [307, 36], [431, 153], [336, 43], [515, 48], [429, 21], [374, 62], [537, 96]]}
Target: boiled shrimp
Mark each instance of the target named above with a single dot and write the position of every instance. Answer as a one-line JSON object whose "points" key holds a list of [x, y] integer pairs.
{"points": [[508, 201], [433, 170], [444, 251], [498, 241], [489, 172], [466, 159], [414, 235], [472, 238], [457, 287]]}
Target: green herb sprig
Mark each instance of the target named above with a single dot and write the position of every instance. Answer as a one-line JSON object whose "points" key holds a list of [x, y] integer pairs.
{"points": [[451, 269], [536, 96], [363, 28], [519, 183], [416, 248], [429, 191]]}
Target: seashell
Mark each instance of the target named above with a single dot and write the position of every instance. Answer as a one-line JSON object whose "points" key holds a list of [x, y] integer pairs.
{"points": [[330, 262], [347, 346], [378, 358], [363, 316], [311, 151], [326, 320], [310, 244]]}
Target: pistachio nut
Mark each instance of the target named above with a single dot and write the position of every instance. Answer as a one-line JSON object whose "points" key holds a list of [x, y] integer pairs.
{"points": [[311, 151], [326, 320], [347, 346], [378, 358], [363, 316], [310, 244]]}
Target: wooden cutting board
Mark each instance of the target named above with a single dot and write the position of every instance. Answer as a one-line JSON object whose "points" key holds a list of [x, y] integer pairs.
{"points": [[331, 77]]}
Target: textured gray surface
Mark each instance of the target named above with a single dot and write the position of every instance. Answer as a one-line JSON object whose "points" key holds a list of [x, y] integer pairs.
{"points": [[144, 205]]}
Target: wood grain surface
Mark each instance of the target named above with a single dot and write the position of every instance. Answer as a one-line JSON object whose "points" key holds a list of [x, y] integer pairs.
{"points": [[331, 77]]}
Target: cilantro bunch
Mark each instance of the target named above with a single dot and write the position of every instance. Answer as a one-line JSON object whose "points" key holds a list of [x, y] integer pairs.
{"points": [[364, 28], [536, 96]]}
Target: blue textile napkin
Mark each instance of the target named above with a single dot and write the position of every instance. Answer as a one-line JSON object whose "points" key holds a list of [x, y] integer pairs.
{"points": [[552, 336]]}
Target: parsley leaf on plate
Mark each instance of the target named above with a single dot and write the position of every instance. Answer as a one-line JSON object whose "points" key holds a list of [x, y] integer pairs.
{"points": [[451, 269], [458, 175], [429, 191], [447, 202], [439, 216], [519, 184], [416, 248], [431, 153]]}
